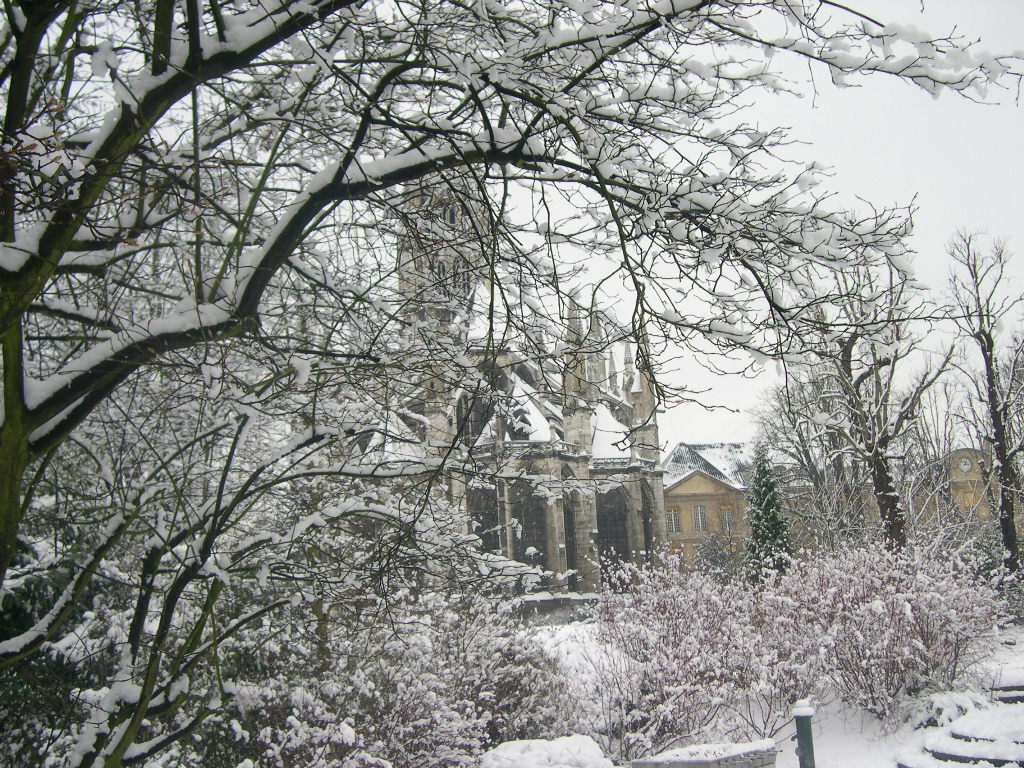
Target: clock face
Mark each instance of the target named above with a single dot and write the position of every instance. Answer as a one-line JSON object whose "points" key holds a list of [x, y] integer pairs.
{"points": [[965, 464]]}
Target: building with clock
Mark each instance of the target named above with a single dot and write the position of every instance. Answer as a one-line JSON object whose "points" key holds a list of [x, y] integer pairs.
{"points": [[706, 485], [970, 489]]}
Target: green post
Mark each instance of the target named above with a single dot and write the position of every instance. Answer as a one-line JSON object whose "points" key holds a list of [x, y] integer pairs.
{"points": [[803, 711]]}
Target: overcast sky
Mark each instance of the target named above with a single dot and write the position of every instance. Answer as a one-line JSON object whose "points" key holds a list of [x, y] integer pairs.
{"points": [[961, 163]]}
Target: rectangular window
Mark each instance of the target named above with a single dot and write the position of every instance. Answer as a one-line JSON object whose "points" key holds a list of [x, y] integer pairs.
{"points": [[727, 521], [672, 521], [700, 517]]}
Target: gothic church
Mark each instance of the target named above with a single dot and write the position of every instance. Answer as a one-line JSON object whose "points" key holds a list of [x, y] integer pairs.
{"points": [[560, 449]]}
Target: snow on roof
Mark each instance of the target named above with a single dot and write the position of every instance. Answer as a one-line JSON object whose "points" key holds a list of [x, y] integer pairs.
{"points": [[553, 408], [397, 442], [609, 435], [528, 411], [727, 462]]}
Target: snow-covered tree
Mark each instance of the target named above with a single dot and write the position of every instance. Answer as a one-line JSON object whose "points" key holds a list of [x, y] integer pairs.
{"points": [[769, 546], [168, 166], [825, 484], [867, 400], [829, 490], [983, 305]]}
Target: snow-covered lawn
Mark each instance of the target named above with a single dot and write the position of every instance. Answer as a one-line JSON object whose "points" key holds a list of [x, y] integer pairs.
{"points": [[843, 737]]}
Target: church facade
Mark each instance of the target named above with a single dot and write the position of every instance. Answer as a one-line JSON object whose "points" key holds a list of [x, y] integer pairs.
{"points": [[555, 439], [574, 482]]}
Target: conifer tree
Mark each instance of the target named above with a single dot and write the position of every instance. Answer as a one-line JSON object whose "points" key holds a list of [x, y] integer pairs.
{"points": [[768, 547]]}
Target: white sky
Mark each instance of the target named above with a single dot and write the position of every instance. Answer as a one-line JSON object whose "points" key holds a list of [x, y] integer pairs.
{"points": [[962, 163]]}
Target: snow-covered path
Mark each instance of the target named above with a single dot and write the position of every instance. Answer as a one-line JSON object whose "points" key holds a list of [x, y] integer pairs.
{"points": [[847, 739]]}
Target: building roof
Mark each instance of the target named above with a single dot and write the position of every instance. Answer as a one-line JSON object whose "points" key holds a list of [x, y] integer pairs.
{"points": [[727, 462]]}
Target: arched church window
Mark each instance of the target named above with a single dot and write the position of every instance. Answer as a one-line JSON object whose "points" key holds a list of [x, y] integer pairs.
{"points": [[462, 425], [530, 509], [647, 518], [460, 276], [612, 528], [450, 215], [482, 504], [480, 414], [523, 372]]}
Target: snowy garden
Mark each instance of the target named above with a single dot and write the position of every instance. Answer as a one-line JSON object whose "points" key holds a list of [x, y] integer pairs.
{"points": [[333, 332], [899, 655], [890, 651]]}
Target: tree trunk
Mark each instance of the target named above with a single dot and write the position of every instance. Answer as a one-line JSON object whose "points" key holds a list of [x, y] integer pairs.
{"points": [[1007, 525], [1006, 471], [13, 461], [14, 451], [894, 522]]}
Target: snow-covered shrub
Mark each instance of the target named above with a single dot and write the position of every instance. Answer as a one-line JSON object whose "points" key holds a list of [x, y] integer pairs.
{"points": [[896, 625], [983, 549], [718, 557], [937, 710], [516, 687], [781, 662], [432, 682], [453, 676], [671, 679], [699, 659], [692, 658], [279, 722]]}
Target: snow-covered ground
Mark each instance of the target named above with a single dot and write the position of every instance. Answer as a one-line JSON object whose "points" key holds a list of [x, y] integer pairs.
{"points": [[848, 739], [843, 737]]}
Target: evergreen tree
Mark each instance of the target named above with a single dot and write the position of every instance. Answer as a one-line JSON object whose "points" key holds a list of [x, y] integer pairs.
{"points": [[768, 547]]}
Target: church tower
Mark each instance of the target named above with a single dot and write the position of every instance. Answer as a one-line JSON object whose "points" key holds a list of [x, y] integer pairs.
{"points": [[445, 244]]}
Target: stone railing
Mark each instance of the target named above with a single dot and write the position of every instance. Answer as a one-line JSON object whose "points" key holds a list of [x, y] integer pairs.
{"points": [[489, 449], [483, 450], [519, 447], [756, 754], [622, 463]]}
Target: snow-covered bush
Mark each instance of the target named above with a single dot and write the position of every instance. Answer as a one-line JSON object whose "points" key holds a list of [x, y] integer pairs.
{"points": [[781, 662], [692, 658], [516, 687], [431, 683], [700, 659], [676, 676], [897, 625]]}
